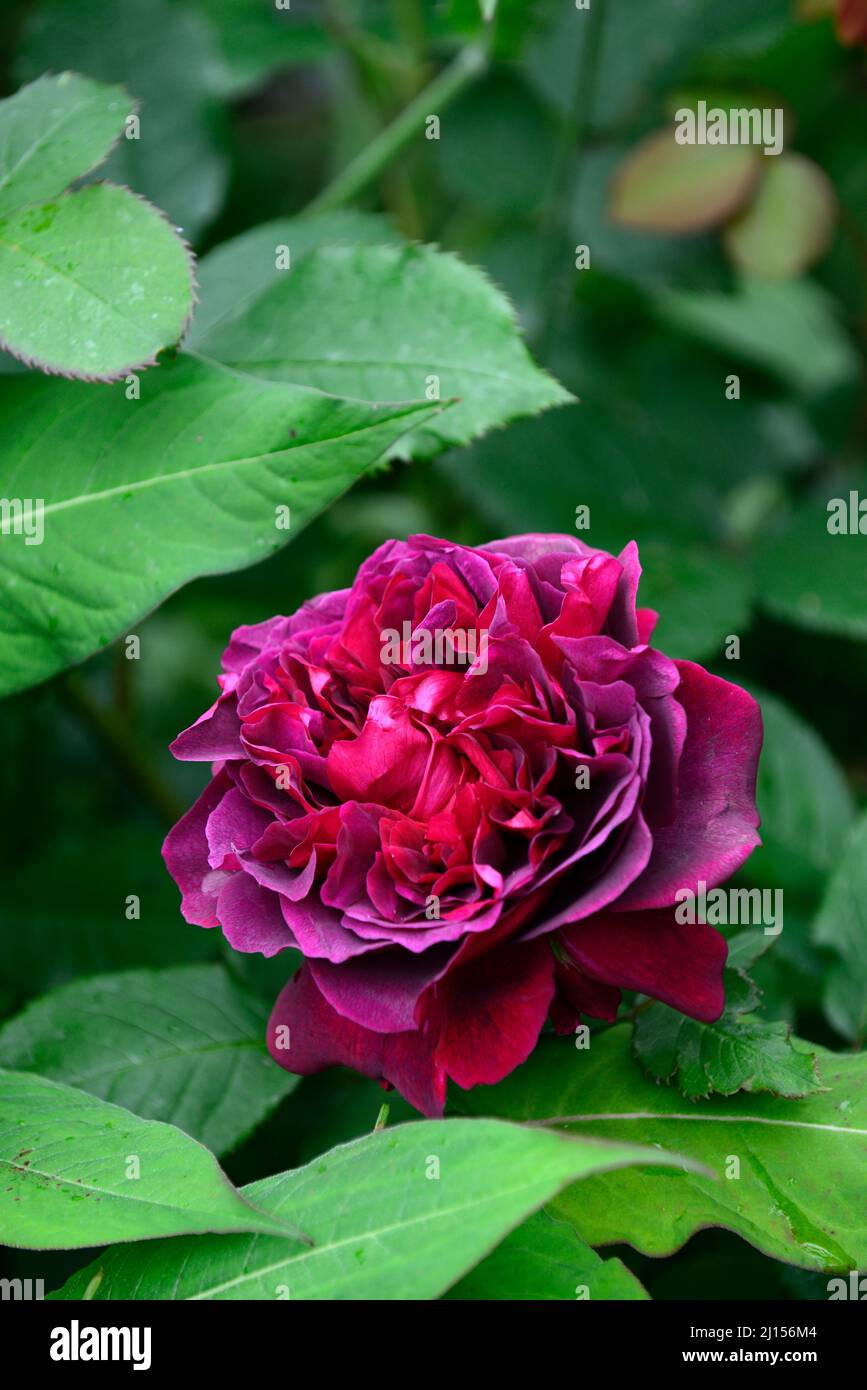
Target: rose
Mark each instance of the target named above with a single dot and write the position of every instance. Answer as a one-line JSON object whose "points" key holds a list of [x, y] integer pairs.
{"points": [[462, 847]]}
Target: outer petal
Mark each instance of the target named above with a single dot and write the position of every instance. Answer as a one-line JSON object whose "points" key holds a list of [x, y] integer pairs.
{"points": [[251, 918], [715, 828], [652, 953], [532, 546], [215, 736], [567, 905], [490, 1013], [249, 641], [622, 620], [185, 851], [234, 825], [381, 990], [306, 1035]]}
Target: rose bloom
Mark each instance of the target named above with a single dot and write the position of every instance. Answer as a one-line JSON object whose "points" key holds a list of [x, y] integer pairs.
{"points": [[462, 849]]}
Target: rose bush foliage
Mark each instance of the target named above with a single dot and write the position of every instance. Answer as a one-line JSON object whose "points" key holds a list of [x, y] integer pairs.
{"points": [[464, 849]]}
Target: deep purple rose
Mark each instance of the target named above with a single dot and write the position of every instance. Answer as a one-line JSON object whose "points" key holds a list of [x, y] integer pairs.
{"points": [[467, 789]]}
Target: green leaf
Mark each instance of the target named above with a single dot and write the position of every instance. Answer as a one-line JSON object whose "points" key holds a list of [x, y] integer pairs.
{"points": [[789, 328], [666, 187], [392, 323], [842, 926], [54, 131], [237, 272], [547, 1259], [93, 285], [166, 55], [186, 1046], [739, 1052], [804, 802], [399, 1214], [801, 1162], [808, 576], [790, 222], [745, 948], [786, 976], [79, 1172], [143, 495]]}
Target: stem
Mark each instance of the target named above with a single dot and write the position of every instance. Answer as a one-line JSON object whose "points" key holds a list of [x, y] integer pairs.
{"points": [[409, 22], [469, 63], [112, 731], [582, 109], [374, 78], [574, 136]]}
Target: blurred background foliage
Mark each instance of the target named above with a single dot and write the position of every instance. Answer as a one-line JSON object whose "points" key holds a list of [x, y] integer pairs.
{"points": [[250, 112]]}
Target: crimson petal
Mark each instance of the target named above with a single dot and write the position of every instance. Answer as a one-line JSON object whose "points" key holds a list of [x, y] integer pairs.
{"points": [[715, 827], [490, 1013], [306, 1035], [652, 953]]}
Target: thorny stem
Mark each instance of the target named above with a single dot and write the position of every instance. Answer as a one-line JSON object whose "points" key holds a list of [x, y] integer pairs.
{"points": [[371, 161]]}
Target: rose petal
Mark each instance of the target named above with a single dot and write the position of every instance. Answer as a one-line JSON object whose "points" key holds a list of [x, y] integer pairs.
{"points": [[235, 824], [577, 994], [385, 763], [215, 736], [380, 990], [652, 953], [185, 851], [251, 918], [715, 828], [490, 1013], [306, 1035]]}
